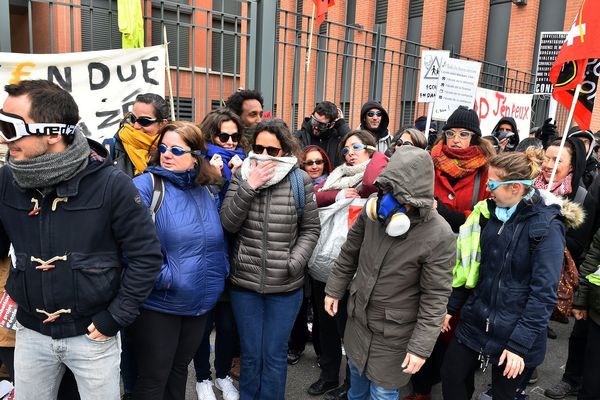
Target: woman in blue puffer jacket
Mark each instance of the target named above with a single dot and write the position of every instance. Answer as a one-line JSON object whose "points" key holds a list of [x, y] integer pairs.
{"points": [[169, 329]]}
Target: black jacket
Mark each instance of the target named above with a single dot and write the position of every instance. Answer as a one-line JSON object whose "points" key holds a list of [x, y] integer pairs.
{"points": [[381, 134], [328, 141], [119, 156], [91, 220], [515, 295]]}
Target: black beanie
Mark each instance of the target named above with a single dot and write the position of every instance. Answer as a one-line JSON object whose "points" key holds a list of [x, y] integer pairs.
{"points": [[464, 117]]}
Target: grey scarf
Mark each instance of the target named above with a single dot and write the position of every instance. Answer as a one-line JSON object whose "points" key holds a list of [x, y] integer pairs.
{"points": [[49, 169]]}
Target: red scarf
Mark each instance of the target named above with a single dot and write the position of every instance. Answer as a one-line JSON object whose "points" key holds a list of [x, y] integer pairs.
{"points": [[458, 162]]}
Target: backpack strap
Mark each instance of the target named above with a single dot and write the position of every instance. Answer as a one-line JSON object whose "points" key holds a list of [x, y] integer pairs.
{"points": [[297, 184], [476, 186], [109, 145], [158, 194]]}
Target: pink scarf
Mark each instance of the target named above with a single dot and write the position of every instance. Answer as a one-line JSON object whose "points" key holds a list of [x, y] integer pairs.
{"points": [[560, 188]]}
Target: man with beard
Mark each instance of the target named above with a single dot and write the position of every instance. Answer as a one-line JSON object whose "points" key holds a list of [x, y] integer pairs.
{"points": [[324, 128], [248, 105], [375, 119]]}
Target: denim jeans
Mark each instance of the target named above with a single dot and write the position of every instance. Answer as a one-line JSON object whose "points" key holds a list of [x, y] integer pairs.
{"points": [[221, 317], [361, 388], [40, 363], [264, 322]]}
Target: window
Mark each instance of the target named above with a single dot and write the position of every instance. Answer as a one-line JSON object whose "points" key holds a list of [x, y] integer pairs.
{"points": [[184, 108], [226, 42], [381, 11], [170, 13], [99, 25]]}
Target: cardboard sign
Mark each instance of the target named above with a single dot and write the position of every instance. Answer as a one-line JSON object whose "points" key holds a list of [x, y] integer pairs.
{"points": [[103, 83], [457, 86], [8, 312], [491, 105], [550, 44], [431, 61]]}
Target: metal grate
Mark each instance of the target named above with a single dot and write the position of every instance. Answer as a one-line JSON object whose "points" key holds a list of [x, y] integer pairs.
{"points": [[176, 17], [184, 108], [381, 9], [415, 9], [99, 25], [455, 5]]}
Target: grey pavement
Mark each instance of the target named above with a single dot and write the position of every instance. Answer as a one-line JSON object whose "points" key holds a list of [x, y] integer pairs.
{"points": [[301, 375]]}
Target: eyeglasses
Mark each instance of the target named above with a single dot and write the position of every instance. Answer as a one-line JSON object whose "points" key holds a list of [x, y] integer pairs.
{"points": [[401, 142], [493, 185], [356, 147], [177, 151], [143, 121], [374, 114], [463, 134], [272, 151], [308, 163], [13, 127], [224, 137], [322, 126]]}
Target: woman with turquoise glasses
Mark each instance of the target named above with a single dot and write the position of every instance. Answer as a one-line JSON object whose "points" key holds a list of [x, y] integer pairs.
{"points": [[505, 311]]}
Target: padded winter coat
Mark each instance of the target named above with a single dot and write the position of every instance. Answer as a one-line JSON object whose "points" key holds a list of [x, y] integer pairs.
{"points": [[272, 244], [195, 261], [515, 295]]}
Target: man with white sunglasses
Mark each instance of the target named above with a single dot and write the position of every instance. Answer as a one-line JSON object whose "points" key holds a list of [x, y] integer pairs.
{"points": [[70, 217]]}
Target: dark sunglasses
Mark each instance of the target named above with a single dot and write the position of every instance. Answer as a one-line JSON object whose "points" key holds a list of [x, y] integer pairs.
{"points": [[463, 134], [176, 150], [143, 121], [13, 127], [401, 142], [356, 147], [308, 163], [272, 151], [224, 137], [322, 126], [374, 114]]}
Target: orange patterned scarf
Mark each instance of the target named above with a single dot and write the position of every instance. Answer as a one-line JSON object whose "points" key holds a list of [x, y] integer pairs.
{"points": [[457, 162]]}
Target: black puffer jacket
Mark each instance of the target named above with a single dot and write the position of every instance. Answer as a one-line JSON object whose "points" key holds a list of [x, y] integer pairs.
{"points": [[88, 221]]}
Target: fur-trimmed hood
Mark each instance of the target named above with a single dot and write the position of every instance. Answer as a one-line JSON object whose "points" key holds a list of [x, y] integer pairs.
{"points": [[571, 212]]}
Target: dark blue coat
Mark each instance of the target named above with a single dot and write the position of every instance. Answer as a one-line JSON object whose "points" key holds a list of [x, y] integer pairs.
{"points": [[515, 295], [195, 262]]}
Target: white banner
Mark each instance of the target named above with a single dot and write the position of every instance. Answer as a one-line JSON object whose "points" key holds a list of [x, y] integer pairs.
{"points": [[431, 61], [491, 105], [103, 83], [457, 86]]}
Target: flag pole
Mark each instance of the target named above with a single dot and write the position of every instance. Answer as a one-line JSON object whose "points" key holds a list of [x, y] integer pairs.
{"points": [[310, 38], [564, 136], [170, 84]]}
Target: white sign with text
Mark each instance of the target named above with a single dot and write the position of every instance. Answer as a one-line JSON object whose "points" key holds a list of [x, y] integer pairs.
{"points": [[457, 86], [492, 105], [431, 61], [103, 83]]}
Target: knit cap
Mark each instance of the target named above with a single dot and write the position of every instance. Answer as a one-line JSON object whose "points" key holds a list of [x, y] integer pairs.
{"points": [[465, 118]]}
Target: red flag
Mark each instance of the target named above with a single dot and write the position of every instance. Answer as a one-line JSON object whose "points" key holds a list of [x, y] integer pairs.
{"points": [[578, 63], [321, 9]]}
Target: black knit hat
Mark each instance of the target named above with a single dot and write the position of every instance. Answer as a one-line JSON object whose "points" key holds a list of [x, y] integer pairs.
{"points": [[464, 117]]}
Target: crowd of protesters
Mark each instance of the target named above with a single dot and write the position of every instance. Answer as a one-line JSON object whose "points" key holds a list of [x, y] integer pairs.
{"points": [[125, 256]]}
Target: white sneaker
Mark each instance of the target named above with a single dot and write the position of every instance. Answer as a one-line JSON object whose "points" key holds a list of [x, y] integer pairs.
{"points": [[226, 386], [204, 390]]}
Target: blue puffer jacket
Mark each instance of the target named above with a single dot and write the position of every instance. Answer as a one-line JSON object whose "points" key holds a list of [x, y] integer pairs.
{"points": [[521, 261], [195, 262]]}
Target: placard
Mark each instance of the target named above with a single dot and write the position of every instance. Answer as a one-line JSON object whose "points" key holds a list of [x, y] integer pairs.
{"points": [[492, 105], [550, 44], [457, 86], [431, 61]]}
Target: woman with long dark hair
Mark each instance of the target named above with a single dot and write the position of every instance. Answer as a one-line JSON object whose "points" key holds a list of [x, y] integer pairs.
{"points": [[270, 209]]}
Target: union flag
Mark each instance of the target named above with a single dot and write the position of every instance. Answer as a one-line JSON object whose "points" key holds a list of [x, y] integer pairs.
{"points": [[578, 62], [321, 7]]}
